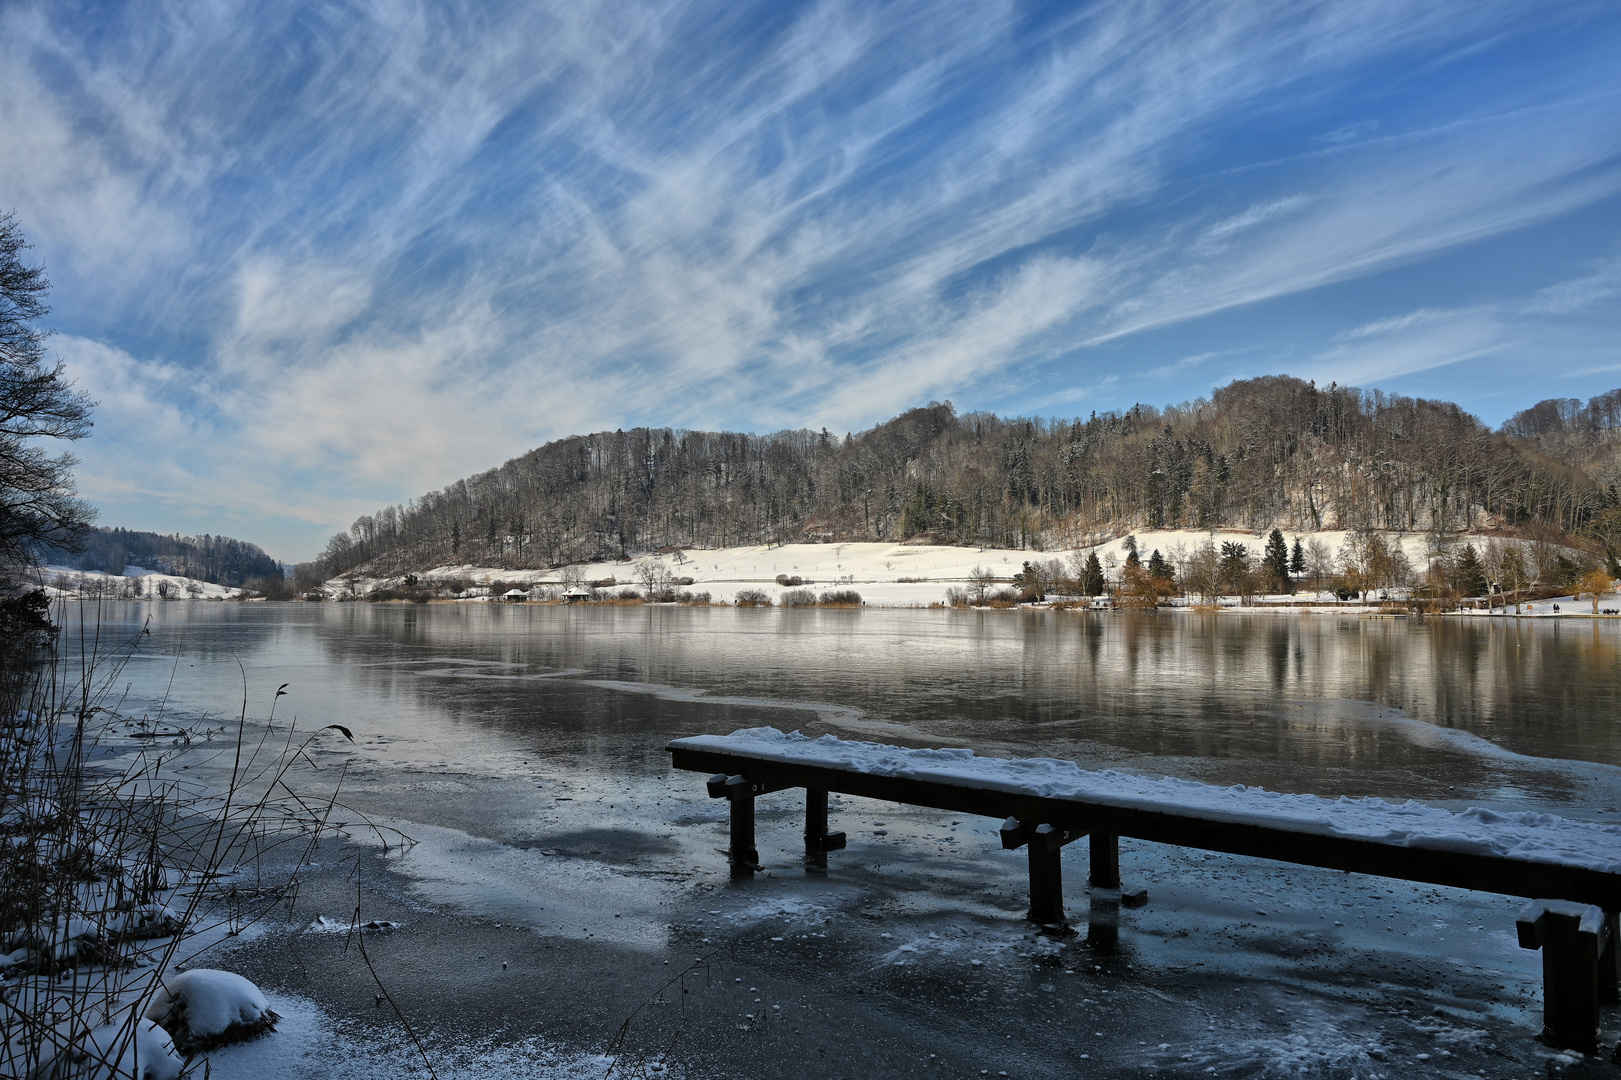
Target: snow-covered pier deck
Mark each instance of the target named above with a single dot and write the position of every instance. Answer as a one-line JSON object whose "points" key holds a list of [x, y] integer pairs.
{"points": [[1570, 870]]}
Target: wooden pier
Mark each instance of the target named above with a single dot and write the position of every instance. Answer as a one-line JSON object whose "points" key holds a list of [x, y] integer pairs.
{"points": [[1572, 916]]}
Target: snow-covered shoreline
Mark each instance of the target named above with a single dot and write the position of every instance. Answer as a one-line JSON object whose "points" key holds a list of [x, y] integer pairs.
{"points": [[135, 583], [897, 575]]}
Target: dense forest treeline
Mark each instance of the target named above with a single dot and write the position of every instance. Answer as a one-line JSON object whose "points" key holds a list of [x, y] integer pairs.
{"points": [[1271, 451], [217, 559]]}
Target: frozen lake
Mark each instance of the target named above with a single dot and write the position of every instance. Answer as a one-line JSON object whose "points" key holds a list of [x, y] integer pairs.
{"points": [[522, 747]]}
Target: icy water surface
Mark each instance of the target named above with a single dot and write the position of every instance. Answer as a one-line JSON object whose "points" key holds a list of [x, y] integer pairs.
{"points": [[1435, 709], [522, 748]]}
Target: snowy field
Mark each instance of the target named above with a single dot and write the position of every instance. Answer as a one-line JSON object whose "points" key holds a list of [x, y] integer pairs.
{"points": [[895, 575], [134, 583]]}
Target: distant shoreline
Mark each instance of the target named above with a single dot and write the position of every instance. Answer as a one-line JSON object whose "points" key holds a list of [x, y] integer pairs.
{"points": [[882, 575]]}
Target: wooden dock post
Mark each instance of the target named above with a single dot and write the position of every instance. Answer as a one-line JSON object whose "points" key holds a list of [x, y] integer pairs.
{"points": [[1046, 844], [744, 857], [1103, 892], [1609, 962], [1572, 937], [818, 841], [1105, 859], [1046, 876]]}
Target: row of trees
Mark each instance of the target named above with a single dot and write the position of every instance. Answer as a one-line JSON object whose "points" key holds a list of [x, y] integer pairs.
{"points": [[1258, 452], [1366, 563]]}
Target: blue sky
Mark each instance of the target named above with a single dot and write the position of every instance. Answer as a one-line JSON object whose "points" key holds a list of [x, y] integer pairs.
{"points": [[313, 258]]}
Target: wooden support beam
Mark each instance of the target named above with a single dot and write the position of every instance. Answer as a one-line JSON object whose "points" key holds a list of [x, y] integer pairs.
{"points": [[718, 788], [1609, 963], [1046, 844], [744, 857], [1572, 937], [1046, 875], [818, 841], [1105, 859]]}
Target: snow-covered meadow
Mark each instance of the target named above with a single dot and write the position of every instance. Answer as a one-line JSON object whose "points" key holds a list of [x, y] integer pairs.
{"points": [[135, 583], [885, 574]]}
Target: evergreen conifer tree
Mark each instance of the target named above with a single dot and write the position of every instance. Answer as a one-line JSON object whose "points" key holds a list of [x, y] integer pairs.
{"points": [[1158, 568], [1276, 559], [1468, 577], [1297, 558], [1235, 576], [1092, 580]]}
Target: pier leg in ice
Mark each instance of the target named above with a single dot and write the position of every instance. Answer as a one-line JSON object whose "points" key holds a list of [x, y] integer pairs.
{"points": [[1046, 844], [1103, 892], [745, 859], [818, 841], [1609, 963], [1572, 937]]}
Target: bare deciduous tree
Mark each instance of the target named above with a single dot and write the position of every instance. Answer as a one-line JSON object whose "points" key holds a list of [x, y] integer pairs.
{"points": [[37, 402]]}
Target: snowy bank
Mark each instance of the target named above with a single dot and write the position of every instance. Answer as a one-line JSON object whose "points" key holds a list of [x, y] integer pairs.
{"points": [[134, 583], [885, 574], [1529, 836]]}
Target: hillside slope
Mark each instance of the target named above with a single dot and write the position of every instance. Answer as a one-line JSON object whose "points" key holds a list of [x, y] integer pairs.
{"points": [[1260, 452], [219, 560]]}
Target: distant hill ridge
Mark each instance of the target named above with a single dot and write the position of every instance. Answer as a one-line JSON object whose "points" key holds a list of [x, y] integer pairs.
{"points": [[1260, 452], [217, 559]]}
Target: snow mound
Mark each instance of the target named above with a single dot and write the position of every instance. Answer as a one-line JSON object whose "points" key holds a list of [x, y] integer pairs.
{"points": [[205, 1008], [111, 1053], [1531, 836]]}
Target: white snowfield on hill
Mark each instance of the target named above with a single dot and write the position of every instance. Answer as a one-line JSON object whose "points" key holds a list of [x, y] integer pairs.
{"points": [[71, 584], [1532, 836], [885, 574]]}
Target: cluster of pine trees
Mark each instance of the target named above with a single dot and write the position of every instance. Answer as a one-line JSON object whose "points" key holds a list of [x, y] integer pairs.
{"points": [[1259, 452]]}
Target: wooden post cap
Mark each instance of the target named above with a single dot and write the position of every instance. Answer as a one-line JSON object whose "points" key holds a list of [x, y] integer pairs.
{"points": [[1532, 922]]}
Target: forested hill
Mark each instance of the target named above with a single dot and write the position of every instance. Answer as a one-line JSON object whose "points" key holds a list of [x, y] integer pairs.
{"points": [[1258, 453], [218, 559]]}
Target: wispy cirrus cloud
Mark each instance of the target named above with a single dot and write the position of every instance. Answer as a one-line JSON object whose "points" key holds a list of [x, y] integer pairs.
{"points": [[1428, 338], [371, 248]]}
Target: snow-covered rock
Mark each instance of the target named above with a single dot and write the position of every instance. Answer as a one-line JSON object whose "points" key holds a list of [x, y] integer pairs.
{"points": [[205, 1008]]}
